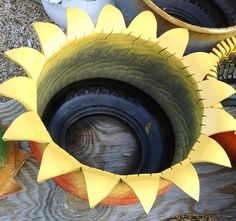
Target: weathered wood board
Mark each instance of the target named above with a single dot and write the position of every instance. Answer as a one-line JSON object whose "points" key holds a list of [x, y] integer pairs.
{"points": [[47, 201]]}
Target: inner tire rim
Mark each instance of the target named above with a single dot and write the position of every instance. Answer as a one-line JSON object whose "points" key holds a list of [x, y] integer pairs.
{"points": [[146, 121]]}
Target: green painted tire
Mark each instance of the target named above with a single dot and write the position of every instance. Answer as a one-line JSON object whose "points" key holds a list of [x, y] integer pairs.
{"points": [[3, 149]]}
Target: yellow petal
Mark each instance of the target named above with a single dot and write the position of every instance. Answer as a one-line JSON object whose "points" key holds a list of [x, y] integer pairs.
{"points": [[56, 162], [209, 151], [51, 37], [199, 64], [110, 20], [28, 126], [99, 184], [231, 44], [225, 46], [218, 106], [22, 89], [144, 25], [175, 40], [217, 53], [79, 24], [233, 40], [208, 87], [221, 49], [145, 187], [185, 177], [31, 60], [217, 121]]}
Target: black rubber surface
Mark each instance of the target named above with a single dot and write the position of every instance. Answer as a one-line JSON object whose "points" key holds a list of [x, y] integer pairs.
{"points": [[197, 12], [138, 111], [226, 69], [211, 13]]}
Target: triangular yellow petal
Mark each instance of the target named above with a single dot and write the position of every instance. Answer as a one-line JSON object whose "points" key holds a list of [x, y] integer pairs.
{"points": [[233, 40], [51, 37], [185, 177], [217, 53], [144, 25], [31, 60], [221, 49], [22, 89], [79, 24], [209, 151], [28, 126], [225, 46], [56, 162], [110, 20], [208, 87], [99, 184], [145, 186], [218, 106], [231, 44], [217, 121], [175, 40], [199, 64]]}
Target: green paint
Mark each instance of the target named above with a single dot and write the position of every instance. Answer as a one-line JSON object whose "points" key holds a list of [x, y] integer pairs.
{"points": [[3, 148]]}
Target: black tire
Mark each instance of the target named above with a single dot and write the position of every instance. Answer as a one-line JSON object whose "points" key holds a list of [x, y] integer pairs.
{"points": [[226, 69], [196, 12], [208, 22], [118, 101]]}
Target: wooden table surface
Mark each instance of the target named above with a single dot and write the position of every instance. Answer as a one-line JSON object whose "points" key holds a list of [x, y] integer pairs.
{"points": [[47, 201]]}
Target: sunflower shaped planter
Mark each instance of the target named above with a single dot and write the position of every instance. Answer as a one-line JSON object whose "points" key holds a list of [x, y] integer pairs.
{"points": [[182, 86]]}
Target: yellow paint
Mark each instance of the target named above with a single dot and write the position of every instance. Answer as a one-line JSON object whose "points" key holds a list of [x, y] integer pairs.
{"points": [[28, 126], [144, 25], [217, 121], [31, 60], [79, 24], [145, 187], [185, 177], [221, 89], [175, 40], [199, 64], [209, 151], [110, 20], [51, 37], [99, 184], [56, 162], [22, 89]]}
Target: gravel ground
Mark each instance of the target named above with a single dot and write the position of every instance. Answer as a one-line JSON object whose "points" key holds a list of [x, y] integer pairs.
{"points": [[16, 17], [191, 217]]}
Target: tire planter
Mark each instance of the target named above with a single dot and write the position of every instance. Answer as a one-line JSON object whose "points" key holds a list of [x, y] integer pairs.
{"points": [[173, 85], [208, 21]]}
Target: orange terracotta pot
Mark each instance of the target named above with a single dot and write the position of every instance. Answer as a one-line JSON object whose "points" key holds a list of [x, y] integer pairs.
{"points": [[228, 141], [74, 183]]}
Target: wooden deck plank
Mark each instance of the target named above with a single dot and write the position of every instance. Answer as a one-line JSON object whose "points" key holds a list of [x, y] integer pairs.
{"points": [[48, 202]]}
